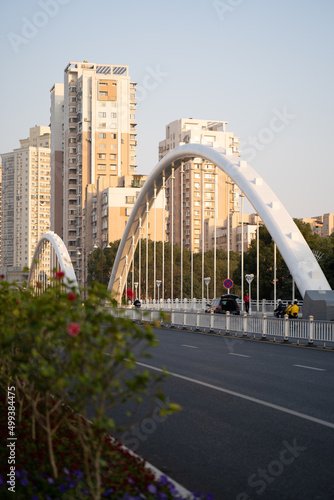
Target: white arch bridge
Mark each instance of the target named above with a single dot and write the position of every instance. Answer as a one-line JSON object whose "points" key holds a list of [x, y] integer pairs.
{"points": [[299, 258]]}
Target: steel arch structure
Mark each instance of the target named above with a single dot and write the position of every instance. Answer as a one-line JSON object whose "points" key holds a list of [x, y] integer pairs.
{"points": [[62, 261], [295, 251]]}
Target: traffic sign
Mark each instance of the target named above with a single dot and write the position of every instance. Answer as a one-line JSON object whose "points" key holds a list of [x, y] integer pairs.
{"points": [[227, 283]]}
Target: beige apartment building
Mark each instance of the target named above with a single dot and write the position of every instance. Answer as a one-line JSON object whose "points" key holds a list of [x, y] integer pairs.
{"points": [[93, 154], [200, 191], [321, 224], [26, 198], [242, 230]]}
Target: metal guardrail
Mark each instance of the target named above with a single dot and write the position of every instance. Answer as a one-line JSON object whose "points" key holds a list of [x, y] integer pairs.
{"points": [[264, 305], [261, 326]]}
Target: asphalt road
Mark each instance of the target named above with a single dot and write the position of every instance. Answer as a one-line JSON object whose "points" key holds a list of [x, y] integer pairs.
{"points": [[257, 419]]}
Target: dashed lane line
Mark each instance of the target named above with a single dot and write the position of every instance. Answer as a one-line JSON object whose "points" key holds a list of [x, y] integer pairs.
{"points": [[311, 368], [243, 396]]}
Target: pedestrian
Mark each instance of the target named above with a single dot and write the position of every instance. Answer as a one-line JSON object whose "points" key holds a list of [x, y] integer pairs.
{"points": [[279, 311], [294, 310], [288, 309], [246, 301]]}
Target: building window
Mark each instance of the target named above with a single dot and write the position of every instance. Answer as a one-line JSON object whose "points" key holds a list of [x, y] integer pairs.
{"points": [[101, 156], [113, 136], [113, 115], [130, 200], [102, 114], [101, 166], [102, 125], [112, 166], [102, 146], [103, 94], [102, 135]]}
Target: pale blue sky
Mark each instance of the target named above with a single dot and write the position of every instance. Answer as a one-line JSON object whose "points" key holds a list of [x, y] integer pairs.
{"points": [[245, 61]]}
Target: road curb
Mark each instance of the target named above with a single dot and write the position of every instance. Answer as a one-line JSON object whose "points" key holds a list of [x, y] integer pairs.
{"points": [[156, 472]]}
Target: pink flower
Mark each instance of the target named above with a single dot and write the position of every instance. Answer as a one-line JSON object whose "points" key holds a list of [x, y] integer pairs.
{"points": [[73, 329], [129, 293], [38, 285], [72, 296], [2, 276], [59, 275]]}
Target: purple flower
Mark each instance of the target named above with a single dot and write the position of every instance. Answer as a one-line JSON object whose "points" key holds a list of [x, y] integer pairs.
{"points": [[24, 481], [78, 473], [62, 488], [50, 480], [33, 497], [152, 489], [18, 474], [1, 481], [66, 471], [108, 492]]}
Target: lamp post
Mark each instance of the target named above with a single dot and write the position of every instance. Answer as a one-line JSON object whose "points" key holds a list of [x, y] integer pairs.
{"points": [[136, 287], [207, 281], [158, 283], [249, 279]]}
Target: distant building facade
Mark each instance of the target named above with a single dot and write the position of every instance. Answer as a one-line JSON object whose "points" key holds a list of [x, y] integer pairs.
{"points": [[93, 155], [200, 191], [25, 204], [321, 224]]}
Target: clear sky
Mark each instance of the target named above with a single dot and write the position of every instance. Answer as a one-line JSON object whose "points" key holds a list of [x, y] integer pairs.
{"points": [[265, 66]]}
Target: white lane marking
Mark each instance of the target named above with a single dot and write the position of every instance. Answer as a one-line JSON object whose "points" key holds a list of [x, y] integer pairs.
{"points": [[311, 368], [243, 396], [241, 355], [192, 346]]}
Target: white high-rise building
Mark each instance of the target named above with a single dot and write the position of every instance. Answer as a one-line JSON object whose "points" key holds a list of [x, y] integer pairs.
{"points": [[25, 200]]}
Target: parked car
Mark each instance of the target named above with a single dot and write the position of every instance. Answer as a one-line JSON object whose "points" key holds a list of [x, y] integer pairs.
{"points": [[227, 302]]}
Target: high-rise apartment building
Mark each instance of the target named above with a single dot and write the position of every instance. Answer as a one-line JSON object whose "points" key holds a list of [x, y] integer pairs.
{"points": [[93, 155], [25, 199], [200, 190], [93, 136]]}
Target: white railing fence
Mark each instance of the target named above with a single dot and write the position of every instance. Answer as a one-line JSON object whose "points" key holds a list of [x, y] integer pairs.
{"points": [[260, 326], [264, 305]]}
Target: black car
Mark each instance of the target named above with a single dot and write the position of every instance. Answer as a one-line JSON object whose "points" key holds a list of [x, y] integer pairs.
{"points": [[227, 302]]}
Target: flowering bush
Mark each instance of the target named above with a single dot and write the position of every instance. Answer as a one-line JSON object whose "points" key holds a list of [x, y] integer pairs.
{"points": [[66, 357]]}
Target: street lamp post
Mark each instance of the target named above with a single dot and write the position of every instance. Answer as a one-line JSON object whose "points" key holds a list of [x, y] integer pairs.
{"points": [[158, 283], [249, 279], [207, 281], [136, 288]]}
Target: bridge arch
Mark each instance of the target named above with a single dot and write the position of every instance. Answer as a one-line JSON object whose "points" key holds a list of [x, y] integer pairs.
{"points": [[295, 251], [59, 258]]}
